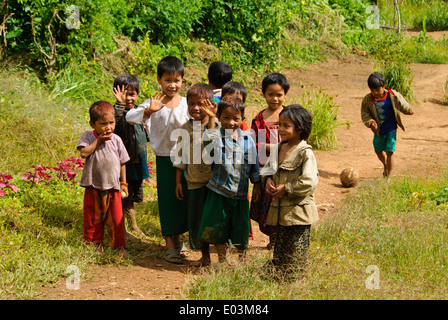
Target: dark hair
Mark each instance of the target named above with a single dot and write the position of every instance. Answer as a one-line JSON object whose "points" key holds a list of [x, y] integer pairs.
{"points": [[200, 90], [376, 80], [170, 65], [231, 102], [275, 78], [98, 109], [128, 81], [234, 87], [301, 118], [219, 73]]}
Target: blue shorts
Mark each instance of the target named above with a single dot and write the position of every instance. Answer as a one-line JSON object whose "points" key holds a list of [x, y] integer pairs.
{"points": [[385, 142]]}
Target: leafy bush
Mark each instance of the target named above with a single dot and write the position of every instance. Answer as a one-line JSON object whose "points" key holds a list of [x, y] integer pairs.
{"points": [[246, 31], [163, 21]]}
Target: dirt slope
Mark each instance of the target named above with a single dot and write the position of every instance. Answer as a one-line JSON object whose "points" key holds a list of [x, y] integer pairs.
{"points": [[421, 150]]}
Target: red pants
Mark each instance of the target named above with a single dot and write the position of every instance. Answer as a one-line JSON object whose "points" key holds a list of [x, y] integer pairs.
{"points": [[103, 208]]}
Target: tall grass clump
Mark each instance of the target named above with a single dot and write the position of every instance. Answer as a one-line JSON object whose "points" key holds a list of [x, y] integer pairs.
{"points": [[399, 77], [325, 118], [388, 241]]}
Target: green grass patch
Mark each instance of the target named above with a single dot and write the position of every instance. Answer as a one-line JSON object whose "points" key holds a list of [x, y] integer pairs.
{"points": [[383, 244], [42, 235]]}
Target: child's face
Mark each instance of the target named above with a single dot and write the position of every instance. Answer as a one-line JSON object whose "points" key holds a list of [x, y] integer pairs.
{"points": [[287, 130], [230, 119], [131, 97], [377, 93], [234, 94], [274, 95], [104, 125], [194, 107], [170, 83]]}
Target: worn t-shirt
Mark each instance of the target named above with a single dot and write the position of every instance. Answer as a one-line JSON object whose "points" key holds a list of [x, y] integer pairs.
{"points": [[102, 168]]}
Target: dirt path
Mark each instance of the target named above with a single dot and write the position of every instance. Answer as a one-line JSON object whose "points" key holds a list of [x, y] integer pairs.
{"points": [[421, 150]]}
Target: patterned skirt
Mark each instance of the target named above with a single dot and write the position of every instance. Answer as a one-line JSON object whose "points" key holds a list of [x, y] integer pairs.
{"points": [[291, 247]]}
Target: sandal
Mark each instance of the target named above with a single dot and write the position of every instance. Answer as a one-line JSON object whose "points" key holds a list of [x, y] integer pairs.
{"points": [[182, 249], [173, 256]]}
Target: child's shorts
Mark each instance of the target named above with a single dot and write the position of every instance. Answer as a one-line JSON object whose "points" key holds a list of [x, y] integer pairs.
{"points": [[385, 142]]}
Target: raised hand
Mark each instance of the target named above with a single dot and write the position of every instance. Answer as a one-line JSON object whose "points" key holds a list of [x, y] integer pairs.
{"points": [[209, 108], [120, 94], [156, 103]]}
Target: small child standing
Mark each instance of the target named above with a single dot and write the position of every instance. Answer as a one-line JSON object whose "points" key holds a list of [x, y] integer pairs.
{"points": [[126, 91], [274, 87], [380, 111], [234, 163], [189, 159], [104, 177], [291, 177], [236, 89], [163, 113]]}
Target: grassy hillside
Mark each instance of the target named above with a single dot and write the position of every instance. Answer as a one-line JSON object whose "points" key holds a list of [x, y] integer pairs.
{"points": [[43, 112]]}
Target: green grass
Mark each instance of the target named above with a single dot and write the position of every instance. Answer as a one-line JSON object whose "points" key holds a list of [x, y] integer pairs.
{"points": [[41, 231], [380, 225], [415, 14]]}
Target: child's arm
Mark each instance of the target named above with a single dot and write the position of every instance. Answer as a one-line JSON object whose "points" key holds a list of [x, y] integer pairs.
{"points": [[88, 150], [366, 116], [179, 191], [403, 105], [256, 193], [142, 113], [308, 180], [123, 184]]}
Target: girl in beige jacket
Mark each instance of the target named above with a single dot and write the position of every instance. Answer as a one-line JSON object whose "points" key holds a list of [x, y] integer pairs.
{"points": [[291, 177]]}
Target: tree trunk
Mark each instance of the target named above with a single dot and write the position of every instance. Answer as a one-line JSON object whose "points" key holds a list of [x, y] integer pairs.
{"points": [[398, 15]]}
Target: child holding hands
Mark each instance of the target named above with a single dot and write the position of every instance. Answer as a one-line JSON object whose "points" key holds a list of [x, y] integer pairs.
{"points": [[104, 177], [274, 87], [163, 113], [291, 177]]}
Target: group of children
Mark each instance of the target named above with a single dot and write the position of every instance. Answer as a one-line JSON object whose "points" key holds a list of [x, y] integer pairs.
{"points": [[206, 155]]}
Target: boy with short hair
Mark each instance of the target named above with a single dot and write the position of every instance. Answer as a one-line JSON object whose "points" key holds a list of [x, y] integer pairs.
{"points": [[126, 90], [219, 73], [163, 113], [380, 111], [104, 177], [188, 158]]}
